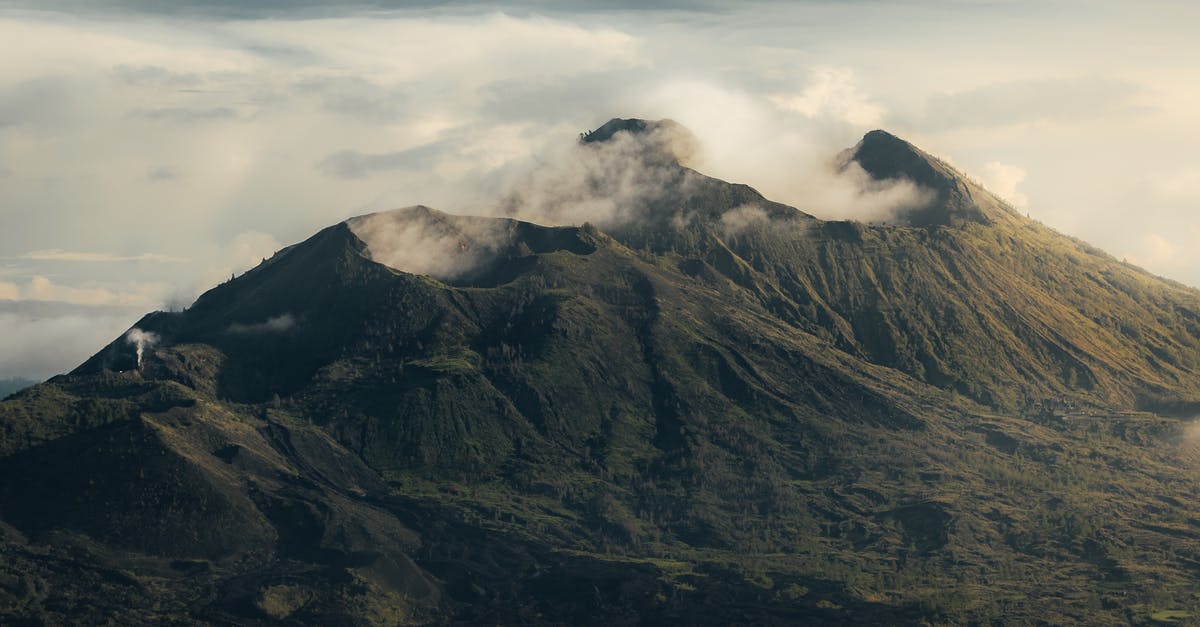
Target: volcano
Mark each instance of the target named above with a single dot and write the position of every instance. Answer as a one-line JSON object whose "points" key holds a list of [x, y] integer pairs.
{"points": [[710, 408]]}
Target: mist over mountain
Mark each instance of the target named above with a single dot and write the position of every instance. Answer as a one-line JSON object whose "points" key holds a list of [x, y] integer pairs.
{"points": [[632, 394]]}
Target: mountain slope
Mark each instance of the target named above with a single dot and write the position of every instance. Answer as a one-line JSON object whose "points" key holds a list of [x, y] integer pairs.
{"points": [[709, 408]]}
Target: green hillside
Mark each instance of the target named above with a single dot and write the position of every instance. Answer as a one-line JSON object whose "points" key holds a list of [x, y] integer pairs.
{"points": [[723, 411]]}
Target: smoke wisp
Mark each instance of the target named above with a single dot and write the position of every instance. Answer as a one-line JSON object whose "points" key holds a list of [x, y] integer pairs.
{"points": [[420, 240], [741, 218], [275, 324], [141, 340]]}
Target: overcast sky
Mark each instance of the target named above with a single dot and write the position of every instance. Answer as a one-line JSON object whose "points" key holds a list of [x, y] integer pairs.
{"points": [[151, 149]]}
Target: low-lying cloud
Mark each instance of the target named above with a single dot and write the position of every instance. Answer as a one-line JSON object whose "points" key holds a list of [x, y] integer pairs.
{"points": [[275, 324], [630, 179], [41, 288], [852, 194], [40, 344], [607, 183], [58, 254], [745, 217], [419, 241]]}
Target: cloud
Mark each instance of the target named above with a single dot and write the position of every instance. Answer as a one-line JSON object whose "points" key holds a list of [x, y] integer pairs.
{"points": [[44, 338], [1003, 180], [788, 156], [737, 220], [180, 115], [57, 254], [37, 309], [221, 262], [275, 324], [37, 347], [1059, 100], [612, 183], [539, 99], [1154, 251], [42, 289], [1167, 252], [1176, 184], [832, 92], [420, 241], [349, 164], [45, 102], [292, 9], [357, 98], [248, 249], [850, 193], [155, 76]]}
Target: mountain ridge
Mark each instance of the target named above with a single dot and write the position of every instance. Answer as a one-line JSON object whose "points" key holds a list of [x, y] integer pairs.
{"points": [[715, 409]]}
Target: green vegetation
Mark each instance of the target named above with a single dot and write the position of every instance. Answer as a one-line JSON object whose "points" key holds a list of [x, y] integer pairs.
{"points": [[968, 421]]}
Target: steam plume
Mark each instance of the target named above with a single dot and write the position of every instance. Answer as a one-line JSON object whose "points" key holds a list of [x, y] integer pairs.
{"points": [[142, 340]]}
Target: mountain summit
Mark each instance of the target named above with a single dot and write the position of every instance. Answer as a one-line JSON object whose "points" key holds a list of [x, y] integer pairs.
{"points": [[702, 408], [661, 138], [956, 199]]}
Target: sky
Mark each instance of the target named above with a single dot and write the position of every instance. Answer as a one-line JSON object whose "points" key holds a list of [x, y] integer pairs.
{"points": [[149, 150]]}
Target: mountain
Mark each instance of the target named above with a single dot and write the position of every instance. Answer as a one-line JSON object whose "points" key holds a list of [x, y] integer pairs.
{"points": [[703, 408], [15, 384]]}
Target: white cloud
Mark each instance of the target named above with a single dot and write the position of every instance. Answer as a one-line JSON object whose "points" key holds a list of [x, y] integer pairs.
{"points": [[41, 288], [832, 92], [1183, 183], [275, 324], [741, 218], [58, 254], [479, 49], [1003, 180], [39, 347], [248, 249], [9, 291], [1166, 253]]}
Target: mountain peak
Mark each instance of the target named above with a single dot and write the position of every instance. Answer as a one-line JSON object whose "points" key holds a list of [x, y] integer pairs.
{"points": [[956, 199], [662, 138], [458, 248], [640, 422], [633, 126], [885, 156]]}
